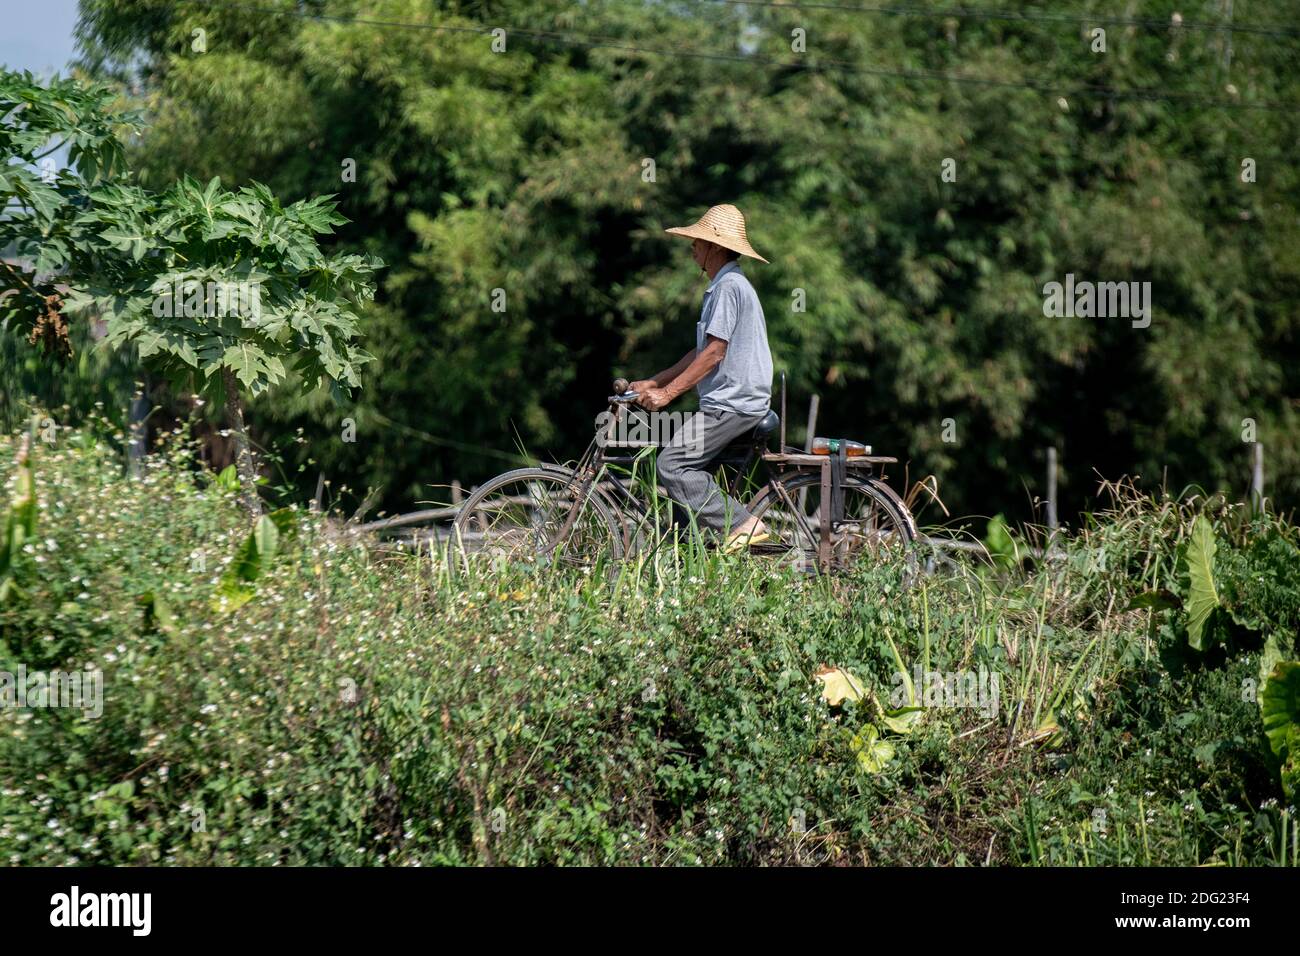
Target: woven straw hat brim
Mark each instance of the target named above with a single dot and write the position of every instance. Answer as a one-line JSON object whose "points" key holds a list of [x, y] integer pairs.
{"points": [[723, 226], [735, 244]]}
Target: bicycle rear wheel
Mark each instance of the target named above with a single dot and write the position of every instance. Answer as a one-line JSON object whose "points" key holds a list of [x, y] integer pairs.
{"points": [[521, 515], [877, 527]]}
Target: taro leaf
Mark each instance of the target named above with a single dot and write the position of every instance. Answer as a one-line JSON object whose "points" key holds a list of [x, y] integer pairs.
{"points": [[1047, 732], [1202, 598], [231, 595], [163, 615], [903, 720], [1204, 754], [254, 555], [838, 685], [1269, 658], [1000, 543], [24, 504], [872, 752], [1280, 708], [901, 668], [267, 537], [19, 527]]}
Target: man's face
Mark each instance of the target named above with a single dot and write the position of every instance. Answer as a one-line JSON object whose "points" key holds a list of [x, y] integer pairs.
{"points": [[703, 252]]}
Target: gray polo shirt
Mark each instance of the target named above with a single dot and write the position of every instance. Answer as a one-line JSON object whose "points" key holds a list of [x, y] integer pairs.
{"points": [[742, 381]]}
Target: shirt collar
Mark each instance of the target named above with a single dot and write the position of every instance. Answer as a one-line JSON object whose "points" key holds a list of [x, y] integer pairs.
{"points": [[732, 266]]}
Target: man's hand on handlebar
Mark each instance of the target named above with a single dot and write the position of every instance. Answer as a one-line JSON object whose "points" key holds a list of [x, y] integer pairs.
{"points": [[653, 399], [645, 393]]}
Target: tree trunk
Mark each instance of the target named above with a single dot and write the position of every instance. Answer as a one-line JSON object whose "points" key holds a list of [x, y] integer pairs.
{"points": [[244, 465]]}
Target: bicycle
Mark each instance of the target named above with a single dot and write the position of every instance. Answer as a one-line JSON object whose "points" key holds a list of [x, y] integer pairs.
{"points": [[824, 514]]}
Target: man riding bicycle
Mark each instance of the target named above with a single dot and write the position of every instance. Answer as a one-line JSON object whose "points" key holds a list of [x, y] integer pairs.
{"points": [[731, 368]]}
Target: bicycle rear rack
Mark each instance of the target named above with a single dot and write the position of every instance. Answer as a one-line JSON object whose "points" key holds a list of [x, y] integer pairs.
{"points": [[831, 493]]}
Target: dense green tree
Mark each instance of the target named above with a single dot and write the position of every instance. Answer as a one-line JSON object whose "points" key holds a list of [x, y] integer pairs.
{"points": [[526, 171]]}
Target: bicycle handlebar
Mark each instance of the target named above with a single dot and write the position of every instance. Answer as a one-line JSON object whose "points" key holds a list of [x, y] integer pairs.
{"points": [[624, 395]]}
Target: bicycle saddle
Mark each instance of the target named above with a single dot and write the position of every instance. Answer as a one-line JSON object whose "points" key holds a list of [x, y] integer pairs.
{"points": [[767, 427]]}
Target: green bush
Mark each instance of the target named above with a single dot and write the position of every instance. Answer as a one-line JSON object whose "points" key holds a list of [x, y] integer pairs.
{"points": [[373, 706]]}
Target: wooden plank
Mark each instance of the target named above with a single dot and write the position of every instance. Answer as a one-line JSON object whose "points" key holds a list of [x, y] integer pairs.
{"points": [[813, 405], [1051, 489], [819, 460]]}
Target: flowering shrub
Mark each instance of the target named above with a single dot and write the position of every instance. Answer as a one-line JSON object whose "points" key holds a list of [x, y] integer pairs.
{"points": [[371, 706]]}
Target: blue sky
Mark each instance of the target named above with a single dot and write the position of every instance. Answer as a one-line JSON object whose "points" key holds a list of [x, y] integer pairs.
{"points": [[36, 35]]}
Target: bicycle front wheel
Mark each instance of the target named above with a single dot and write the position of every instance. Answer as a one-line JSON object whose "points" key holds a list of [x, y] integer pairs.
{"points": [[876, 527], [535, 515]]}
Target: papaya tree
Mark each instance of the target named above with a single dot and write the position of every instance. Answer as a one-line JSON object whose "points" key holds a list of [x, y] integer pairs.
{"points": [[220, 291], [216, 290], [41, 202]]}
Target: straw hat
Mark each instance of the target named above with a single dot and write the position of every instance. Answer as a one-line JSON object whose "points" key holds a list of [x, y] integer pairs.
{"points": [[722, 225]]}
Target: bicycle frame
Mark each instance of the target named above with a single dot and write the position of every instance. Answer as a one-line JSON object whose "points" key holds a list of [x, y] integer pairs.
{"points": [[596, 460]]}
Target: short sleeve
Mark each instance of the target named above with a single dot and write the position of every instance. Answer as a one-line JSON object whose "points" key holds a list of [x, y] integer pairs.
{"points": [[722, 323]]}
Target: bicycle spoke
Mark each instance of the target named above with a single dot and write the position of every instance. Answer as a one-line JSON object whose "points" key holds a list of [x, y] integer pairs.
{"points": [[868, 531], [532, 518]]}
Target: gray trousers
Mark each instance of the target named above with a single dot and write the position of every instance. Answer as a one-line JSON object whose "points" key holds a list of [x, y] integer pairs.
{"points": [[684, 468]]}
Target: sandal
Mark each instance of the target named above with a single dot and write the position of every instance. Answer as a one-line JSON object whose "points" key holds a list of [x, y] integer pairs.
{"points": [[744, 539]]}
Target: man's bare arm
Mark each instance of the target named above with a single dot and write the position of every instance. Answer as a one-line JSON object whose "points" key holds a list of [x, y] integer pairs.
{"points": [[700, 365], [666, 376]]}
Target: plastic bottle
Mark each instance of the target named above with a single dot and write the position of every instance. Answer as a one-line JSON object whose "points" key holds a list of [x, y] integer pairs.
{"points": [[831, 446]]}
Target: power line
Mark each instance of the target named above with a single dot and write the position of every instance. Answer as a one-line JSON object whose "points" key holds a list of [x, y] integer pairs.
{"points": [[962, 13], [447, 442], [617, 43]]}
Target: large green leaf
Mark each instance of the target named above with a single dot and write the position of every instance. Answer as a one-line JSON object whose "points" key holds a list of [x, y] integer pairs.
{"points": [[267, 537], [1160, 600], [872, 752], [247, 361], [158, 613], [904, 719], [1272, 654], [1202, 598], [126, 239], [1001, 544], [1280, 709], [238, 584], [839, 685]]}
